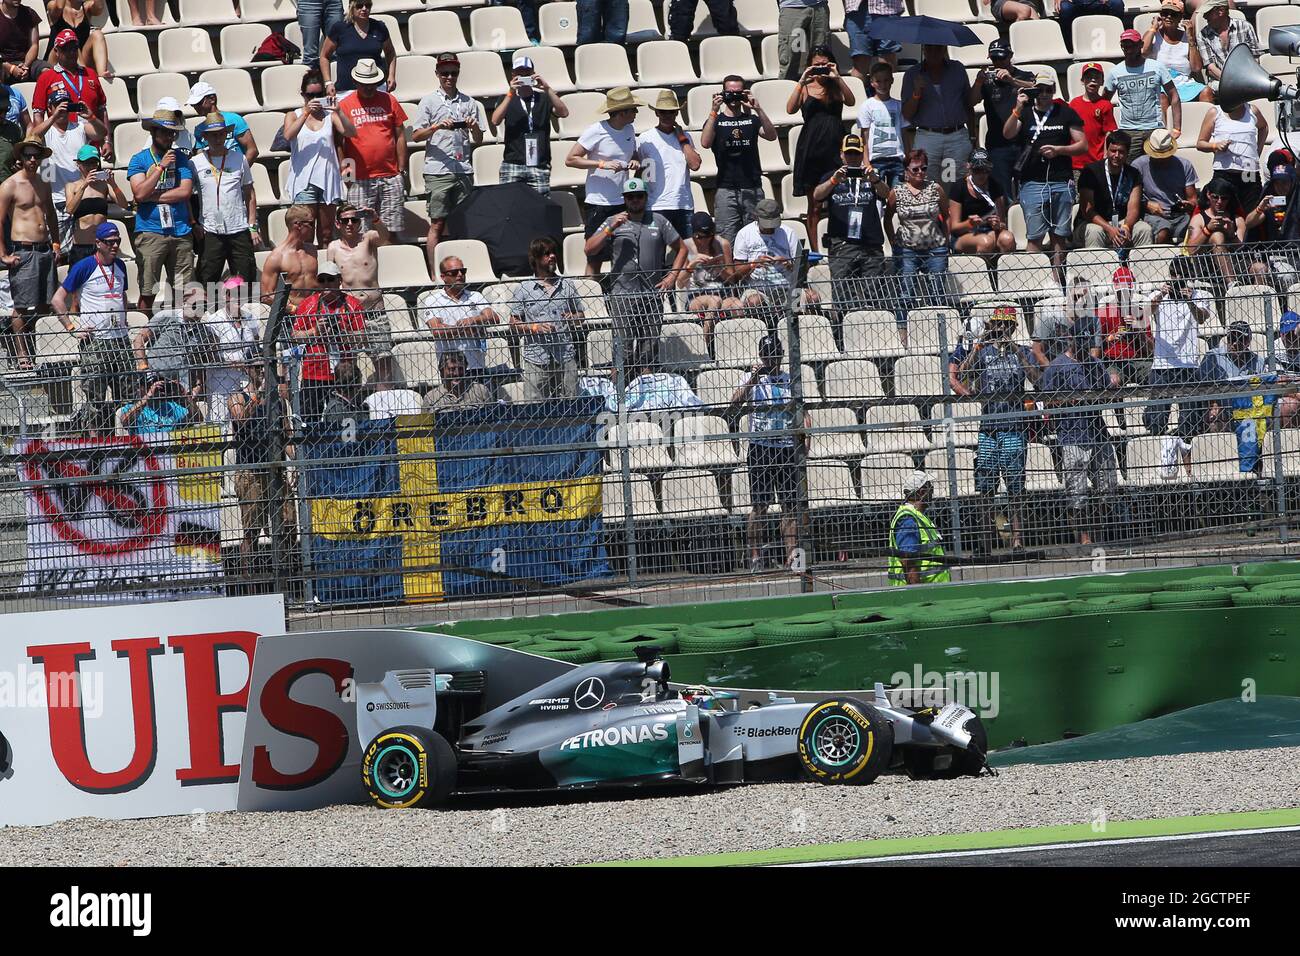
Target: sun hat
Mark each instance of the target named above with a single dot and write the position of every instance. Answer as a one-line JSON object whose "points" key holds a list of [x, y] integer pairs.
{"points": [[214, 122], [367, 73], [163, 119], [667, 100], [620, 98], [1161, 144]]}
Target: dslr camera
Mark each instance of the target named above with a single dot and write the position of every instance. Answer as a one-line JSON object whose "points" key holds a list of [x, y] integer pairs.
{"points": [[734, 97]]}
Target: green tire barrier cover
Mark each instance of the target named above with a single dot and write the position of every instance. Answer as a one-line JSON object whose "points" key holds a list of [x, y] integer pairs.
{"points": [[998, 603], [1041, 597], [1285, 584], [1255, 572], [951, 617], [582, 637], [623, 646], [505, 638], [1033, 612], [708, 640], [875, 622], [1192, 599], [786, 632], [1118, 586], [1270, 598], [1113, 602], [571, 652], [1205, 583], [650, 628], [723, 629]]}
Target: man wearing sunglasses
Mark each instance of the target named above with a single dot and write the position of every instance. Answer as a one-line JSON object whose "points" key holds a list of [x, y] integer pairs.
{"points": [[998, 86], [99, 284], [162, 182], [356, 253], [447, 121], [607, 150], [330, 324], [29, 244], [458, 317], [374, 160]]}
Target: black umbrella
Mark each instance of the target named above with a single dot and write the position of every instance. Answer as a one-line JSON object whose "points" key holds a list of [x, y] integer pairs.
{"points": [[922, 30], [506, 218]]}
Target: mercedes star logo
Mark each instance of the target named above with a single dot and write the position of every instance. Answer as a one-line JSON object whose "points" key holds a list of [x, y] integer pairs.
{"points": [[589, 693]]}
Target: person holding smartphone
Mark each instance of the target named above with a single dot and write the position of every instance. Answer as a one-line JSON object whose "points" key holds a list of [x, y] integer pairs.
{"points": [[1270, 212], [1218, 226], [162, 182], [65, 128], [1168, 187], [87, 200]]}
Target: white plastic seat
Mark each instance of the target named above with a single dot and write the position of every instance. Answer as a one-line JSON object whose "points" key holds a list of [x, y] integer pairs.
{"points": [[614, 502], [691, 494], [417, 73], [128, 53], [830, 485], [898, 429], [699, 101], [755, 18], [957, 11], [647, 446], [1215, 458], [497, 28], [186, 50], [882, 477], [550, 65], [1194, 114], [1142, 463], [1043, 37], [202, 13], [852, 380], [234, 91], [482, 74], [282, 86], [918, 376], [816, 339], [844, 442], [664, 63], [584, 109], [123, 15], [1096, 38], [150, 89], [417, 362], [871, 334], [264, 126], [772, 95], [475, 256], [716, 386], [681, 346], [642, 24], [1253, 304], [262, 189], [267, 11], [487, 164], [703, 441], [128, 139], [936, 463], [1025, 275], [735, 341], [401, 266], [601, 66], [977, 54], [1040, 469], [723, 56], [436, 31], [117, 99], [239, 41], [558, 23], [923, 330]]}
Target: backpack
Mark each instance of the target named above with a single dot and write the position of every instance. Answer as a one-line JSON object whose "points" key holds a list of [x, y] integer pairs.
{"points": [[277, 47]]}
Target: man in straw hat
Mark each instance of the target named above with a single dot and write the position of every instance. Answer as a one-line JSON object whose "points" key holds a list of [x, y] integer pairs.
{"points": [[1168, 187], [162, 181], [524, 116], [449, 121], [229, 208], [668, 157], [29, 244], [913, 539], [607, 151], [374, 160]]}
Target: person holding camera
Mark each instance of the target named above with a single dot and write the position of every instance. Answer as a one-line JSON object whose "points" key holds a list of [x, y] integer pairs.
{"points": [[524, 117], [820, 95], [995, 369], [999, 87], [315, 179], [607, 150], [87, 203], [1049, 135], [449, 121], [1267, 218], [165, 406], [773, 462], [162, 182], [854, 234], [65, 129], [1168, 188], [1236, 138], [79, 82], [732, 129], [1219, 226], [977, 211], [920, 239], [1110, 201]]}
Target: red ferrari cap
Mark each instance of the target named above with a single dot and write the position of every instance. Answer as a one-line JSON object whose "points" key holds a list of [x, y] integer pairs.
{"points": [[66, 38]]}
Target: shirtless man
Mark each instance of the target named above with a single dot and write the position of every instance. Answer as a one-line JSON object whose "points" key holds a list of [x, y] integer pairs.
{"points": [[356, 253], [295, 256], [29, 244]]}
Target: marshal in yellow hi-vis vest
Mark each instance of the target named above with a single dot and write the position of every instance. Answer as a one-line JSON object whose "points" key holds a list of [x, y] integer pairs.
{"points": [[931, 572]]}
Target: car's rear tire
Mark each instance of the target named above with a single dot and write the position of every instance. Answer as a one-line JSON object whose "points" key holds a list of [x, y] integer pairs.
{"points": [[844, 741], [408, 767]]}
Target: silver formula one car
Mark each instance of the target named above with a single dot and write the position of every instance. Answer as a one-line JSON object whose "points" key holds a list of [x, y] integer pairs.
{"points": [[620, 724]]}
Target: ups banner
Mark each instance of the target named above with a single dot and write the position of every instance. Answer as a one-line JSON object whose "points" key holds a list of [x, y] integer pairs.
{"points": [[484, 500], [123, 514]]}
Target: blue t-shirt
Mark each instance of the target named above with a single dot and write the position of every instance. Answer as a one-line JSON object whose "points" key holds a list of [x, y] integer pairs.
{"points": [[157, 417], [147, 216], [907, 536], [1070, 375], [17, 103], [998, 379]]}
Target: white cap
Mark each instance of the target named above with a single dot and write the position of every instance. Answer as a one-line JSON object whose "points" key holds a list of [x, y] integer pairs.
{"points": [[915, 482], [522, 61], [169, 103], [198, 91], [327, 267]]}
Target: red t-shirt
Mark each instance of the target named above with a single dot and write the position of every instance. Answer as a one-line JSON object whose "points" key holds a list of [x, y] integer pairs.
{"points": [[82, 87], [1098, 120], [373, 151], [309, 314]]}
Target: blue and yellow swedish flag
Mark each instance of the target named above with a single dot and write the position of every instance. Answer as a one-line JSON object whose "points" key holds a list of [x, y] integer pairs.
{"points": [[456, 504]]}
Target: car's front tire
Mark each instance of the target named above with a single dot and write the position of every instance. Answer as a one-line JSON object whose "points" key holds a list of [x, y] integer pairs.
{"points": [[408, 767], [844, 741]]}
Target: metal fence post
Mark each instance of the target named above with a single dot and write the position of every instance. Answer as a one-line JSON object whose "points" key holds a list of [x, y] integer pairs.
{"points": [[802, 516], [954, 497], [1279, 476], [276, 485], [624, 452]]}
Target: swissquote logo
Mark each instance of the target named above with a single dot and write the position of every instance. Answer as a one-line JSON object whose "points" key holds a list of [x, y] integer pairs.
{"points": [[76, 909]]}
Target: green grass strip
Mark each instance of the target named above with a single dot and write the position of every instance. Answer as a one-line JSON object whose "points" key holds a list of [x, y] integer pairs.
{"points": [[988, 840]]}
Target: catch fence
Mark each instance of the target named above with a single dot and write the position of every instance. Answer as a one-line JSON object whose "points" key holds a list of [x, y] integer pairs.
{"points": [[649, 449]]}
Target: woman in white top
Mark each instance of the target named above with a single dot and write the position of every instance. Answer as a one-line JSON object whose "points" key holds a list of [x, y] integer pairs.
{"points": [[1236, 138], [314, 175], [709, 269], [1169, 44]]}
